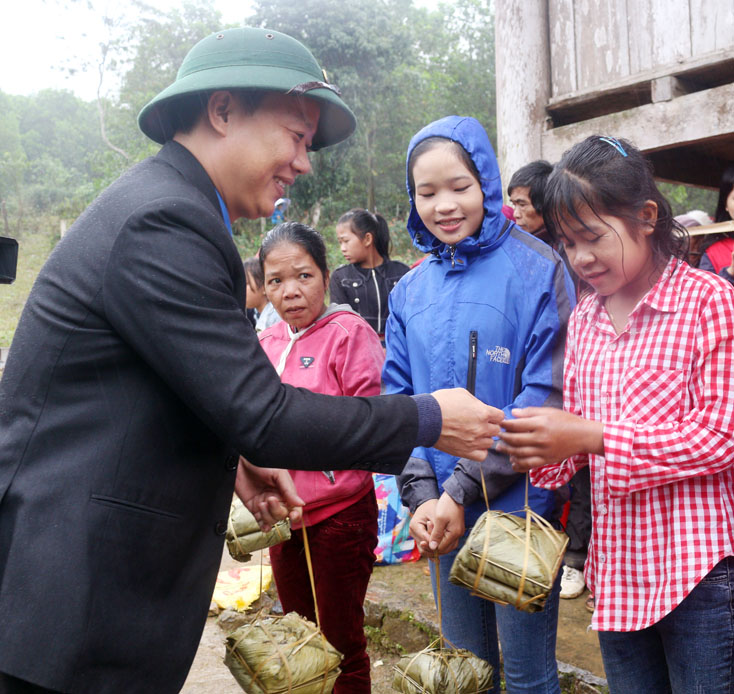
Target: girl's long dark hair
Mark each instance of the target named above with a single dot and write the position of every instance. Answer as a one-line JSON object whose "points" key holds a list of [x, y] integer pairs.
{"points": [[610, 177], [725, 187], [364, 222]]}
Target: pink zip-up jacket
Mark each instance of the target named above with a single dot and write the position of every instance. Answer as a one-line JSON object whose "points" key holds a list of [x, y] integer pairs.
{"points": [[339, 354]]}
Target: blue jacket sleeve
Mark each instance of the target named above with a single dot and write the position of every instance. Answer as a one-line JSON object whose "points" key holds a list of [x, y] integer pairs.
{"points": [[396, 374], [541, 384], [417, 483]]}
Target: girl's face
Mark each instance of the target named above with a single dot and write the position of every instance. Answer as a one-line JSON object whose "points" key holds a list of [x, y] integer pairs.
{"points": [[294, 284], [604, 253], [730, 203], [353, 248], [448, 198]]}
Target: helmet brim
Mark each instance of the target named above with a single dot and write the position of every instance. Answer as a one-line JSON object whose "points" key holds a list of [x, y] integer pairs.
{"points": [[336, 120]]}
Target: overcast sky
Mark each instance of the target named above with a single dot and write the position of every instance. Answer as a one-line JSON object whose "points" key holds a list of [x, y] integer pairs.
{"points": [[40, 38]]}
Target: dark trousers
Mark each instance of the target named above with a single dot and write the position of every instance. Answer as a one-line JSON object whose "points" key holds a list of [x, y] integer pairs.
{"points": [[342, 552], [578, 525], [12, 685]]}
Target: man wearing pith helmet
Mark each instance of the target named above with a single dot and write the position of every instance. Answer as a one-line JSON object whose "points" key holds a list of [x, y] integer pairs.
{"points": [[135, 382]]}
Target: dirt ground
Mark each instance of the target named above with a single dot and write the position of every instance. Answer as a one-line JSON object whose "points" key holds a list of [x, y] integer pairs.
{"points": [[405, 588], [209, 674]]}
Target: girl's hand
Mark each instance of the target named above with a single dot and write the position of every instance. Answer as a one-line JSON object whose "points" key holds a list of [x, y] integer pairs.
{"points": [[448, 527], [544, 435], [421, 524]]}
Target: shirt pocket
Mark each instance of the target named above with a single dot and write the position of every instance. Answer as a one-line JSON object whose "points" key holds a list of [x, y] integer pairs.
{"points": [[652, 396], [356, 290], [352, 283]]}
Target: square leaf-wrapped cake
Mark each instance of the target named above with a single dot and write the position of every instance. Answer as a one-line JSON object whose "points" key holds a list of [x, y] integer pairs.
{"points": [[510, 559], [442, 671], [278, 655]]}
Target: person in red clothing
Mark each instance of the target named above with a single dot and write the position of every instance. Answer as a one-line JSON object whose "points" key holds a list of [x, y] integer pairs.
{"points": [[330, 350], [718, 250], [649, 407]]}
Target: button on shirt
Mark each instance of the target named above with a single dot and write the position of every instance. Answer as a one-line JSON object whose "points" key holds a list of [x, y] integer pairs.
{"points": [[663, 493]]}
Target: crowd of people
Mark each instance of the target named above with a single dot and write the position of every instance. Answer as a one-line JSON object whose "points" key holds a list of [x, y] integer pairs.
{"points": [[574, 344]]}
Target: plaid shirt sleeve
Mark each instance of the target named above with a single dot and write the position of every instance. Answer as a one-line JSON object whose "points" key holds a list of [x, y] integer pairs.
{"points": [[640, 454]]}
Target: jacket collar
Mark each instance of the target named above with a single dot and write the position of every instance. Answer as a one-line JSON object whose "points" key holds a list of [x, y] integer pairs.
{"points": [[181, 159], [325, 317]]}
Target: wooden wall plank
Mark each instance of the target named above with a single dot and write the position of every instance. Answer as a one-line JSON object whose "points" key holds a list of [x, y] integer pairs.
{"points": [[602, 52], [712, 25], [671, 25], [562, 47]]}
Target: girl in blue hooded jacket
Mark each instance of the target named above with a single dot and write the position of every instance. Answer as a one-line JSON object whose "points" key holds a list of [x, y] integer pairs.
{"points": [[487, 310]]}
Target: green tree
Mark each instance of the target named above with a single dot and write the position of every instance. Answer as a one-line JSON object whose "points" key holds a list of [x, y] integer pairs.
{"points": [[456, 46], [13, 160], [684, 198], [143, 57]]}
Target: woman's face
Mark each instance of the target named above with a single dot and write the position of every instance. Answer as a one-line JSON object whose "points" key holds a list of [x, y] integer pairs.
{"points": [[294, 284], [354, 249], [448, 198], [730, 203]]}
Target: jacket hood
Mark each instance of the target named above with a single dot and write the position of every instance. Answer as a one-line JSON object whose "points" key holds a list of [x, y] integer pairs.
{"points": [[470, 134]]}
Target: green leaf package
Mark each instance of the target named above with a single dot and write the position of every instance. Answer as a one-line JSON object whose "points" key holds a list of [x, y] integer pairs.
{"points": [[244, 535]]}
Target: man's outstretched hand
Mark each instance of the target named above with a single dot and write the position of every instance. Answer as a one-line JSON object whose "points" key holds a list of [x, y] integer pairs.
{"points": [[468, 424], [268, 493]]}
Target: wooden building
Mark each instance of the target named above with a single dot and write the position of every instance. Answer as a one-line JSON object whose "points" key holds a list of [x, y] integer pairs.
{"points": [[657, 72]]}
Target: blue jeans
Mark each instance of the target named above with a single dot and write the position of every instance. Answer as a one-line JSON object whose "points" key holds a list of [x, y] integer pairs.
{"points": [[689, 651], [528, 640]]}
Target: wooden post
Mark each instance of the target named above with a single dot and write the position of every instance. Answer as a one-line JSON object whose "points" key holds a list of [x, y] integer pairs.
{"points": [[522, 65]]}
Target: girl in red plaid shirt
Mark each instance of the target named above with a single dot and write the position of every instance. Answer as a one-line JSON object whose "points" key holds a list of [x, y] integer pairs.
{"points": [[648, 405]]}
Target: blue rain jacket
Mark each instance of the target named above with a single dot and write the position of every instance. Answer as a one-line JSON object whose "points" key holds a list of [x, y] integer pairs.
{"points": [[491, 310]]}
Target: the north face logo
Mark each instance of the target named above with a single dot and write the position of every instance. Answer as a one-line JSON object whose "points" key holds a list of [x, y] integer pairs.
{"points": [[499, 354], [307, 361]]}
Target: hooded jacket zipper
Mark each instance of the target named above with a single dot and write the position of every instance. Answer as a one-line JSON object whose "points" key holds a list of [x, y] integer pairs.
{"points": [[379, 303], [471, 376], [452, 250]]}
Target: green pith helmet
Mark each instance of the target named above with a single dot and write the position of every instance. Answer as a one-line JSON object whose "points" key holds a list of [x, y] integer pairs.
{"points": [[251, 58]]}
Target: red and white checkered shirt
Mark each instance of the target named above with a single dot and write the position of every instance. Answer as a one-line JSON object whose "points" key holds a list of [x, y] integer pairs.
{"points": [[663, 493]]}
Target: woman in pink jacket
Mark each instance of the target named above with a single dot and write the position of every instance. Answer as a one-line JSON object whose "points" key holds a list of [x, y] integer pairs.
{"points": [[330, 350]]}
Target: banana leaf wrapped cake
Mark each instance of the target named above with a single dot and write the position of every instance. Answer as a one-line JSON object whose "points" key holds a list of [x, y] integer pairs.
{"points": [[278, 655], [244, 535], [442, 671], [511, 559]]}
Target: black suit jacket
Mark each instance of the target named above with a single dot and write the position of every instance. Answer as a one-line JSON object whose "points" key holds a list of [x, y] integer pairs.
{"points": [[133, 382]]}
